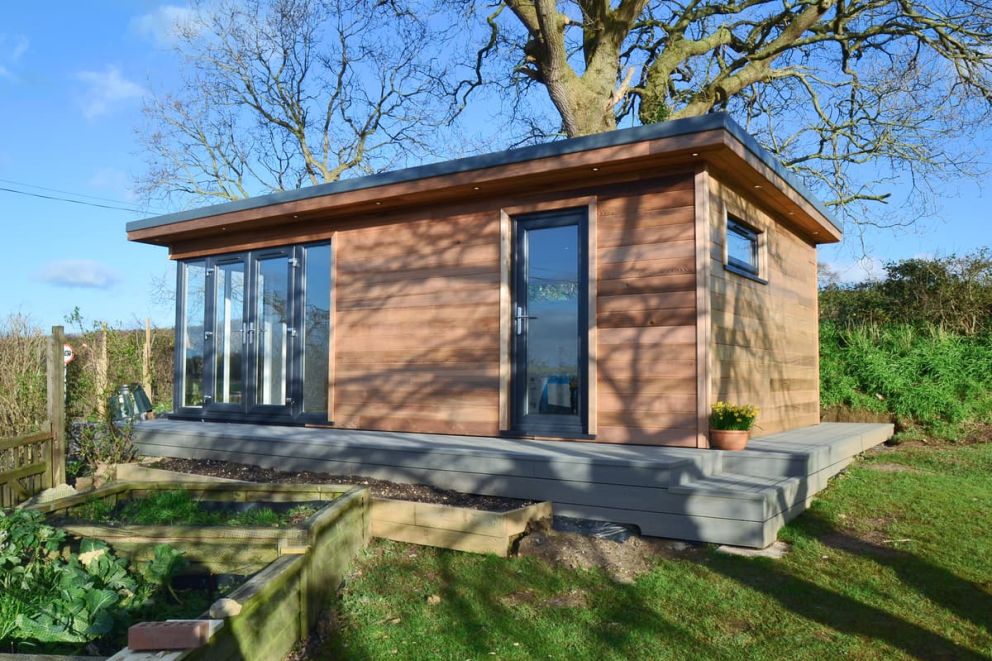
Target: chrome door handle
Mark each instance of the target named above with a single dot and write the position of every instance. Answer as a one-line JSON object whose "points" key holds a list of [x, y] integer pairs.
{"points": [[518, 319]]}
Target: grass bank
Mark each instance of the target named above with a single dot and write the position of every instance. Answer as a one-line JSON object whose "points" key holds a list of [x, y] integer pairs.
{"points": [[894, 560]]}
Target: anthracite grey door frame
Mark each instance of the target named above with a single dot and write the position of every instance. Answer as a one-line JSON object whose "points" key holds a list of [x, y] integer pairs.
{"points": [[290, 411], [519, 423]]}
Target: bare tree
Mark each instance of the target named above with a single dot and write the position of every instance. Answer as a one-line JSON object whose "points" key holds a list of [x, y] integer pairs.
{"points": [[849, 93], [277, 94]]}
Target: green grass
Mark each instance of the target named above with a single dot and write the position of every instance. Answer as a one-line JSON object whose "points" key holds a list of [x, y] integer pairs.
{"points": [[850, 587], [179, 508]]}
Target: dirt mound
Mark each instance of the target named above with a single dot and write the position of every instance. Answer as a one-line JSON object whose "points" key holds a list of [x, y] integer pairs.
{"points": [[623, 562]]}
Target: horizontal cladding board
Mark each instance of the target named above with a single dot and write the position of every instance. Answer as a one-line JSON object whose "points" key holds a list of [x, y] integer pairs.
{"points": [[638, 318], [656, 284], [423, 409], [646, 251], [643, 337], [414, 423], [610, 400], [622, 369], [378, 320], [480, 393], [482, 296], [417, 341], [645, 359], [646, 435], [609, 237], [646, 219], [624, 303], [656, 384], [466, 354], [646, 268], [635, 420], [486, 253], [369, 278], [434, 285], [634, 204], [413, 229]]}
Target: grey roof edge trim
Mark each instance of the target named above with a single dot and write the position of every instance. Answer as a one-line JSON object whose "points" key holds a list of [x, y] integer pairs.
{"points": [[616, 138]]}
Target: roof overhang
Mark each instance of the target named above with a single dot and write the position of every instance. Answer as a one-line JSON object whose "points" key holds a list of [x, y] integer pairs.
{"points": [[713, 141]]}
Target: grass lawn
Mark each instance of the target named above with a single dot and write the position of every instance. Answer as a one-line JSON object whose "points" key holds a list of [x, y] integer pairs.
{"points": [[894, 560]]}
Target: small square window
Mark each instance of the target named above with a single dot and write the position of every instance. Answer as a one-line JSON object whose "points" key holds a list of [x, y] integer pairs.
{"points": [[742, 247]]}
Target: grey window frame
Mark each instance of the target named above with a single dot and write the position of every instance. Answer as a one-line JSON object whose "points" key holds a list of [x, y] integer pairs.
{"points": [[753, 271]]}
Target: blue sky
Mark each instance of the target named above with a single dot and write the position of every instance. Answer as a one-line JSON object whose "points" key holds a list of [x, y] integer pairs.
{"points": [[72, 79]]}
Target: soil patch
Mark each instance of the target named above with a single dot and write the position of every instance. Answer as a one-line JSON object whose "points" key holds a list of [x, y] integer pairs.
{"points": [[623, 562], [420, 493]]}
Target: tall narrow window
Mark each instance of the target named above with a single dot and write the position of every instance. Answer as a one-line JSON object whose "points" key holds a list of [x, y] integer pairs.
{"points": [[742, 247], [316, 328], [194, 327]]}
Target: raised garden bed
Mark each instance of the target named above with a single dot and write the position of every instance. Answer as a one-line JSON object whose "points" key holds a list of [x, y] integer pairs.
{"points": [[458, 528], [274, 609], [484, 525], [237, 549]]}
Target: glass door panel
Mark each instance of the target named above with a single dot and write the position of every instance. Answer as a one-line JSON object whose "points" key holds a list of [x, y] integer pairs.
{"points": [[194, 321], [229, 340], [316, 328], [271, 329], [549, 325]]}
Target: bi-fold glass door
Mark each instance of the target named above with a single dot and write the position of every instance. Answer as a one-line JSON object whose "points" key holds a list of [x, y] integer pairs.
{"points": [[254, 335]]}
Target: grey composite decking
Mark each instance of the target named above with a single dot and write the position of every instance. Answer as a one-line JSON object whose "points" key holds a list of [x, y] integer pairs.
{"points": [[740, 498]]}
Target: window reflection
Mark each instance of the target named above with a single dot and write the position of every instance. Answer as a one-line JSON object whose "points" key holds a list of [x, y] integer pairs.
{"points": [[194, 323], [316, 328]]}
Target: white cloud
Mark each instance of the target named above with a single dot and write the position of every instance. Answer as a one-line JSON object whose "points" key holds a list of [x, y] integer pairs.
{"points": [[83, 273], [105, 90], [12, 48], [163, 25]]}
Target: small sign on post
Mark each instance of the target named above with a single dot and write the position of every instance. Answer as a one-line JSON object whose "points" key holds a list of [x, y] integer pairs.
{"points": [[68, 355]]}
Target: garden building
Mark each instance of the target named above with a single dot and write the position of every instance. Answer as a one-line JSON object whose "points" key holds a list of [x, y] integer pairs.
{"points": [[606, 289]]}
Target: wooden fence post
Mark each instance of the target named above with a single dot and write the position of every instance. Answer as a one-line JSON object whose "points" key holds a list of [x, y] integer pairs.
{"points": [[101, 372], [146, 360], [56, 403]]}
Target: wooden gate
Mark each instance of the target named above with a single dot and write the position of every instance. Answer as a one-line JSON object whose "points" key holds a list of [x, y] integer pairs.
{"points": [[36, 461], [25, 465]]}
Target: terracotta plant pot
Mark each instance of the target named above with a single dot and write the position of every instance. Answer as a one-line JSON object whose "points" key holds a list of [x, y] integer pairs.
{"points": [[729, 439]]}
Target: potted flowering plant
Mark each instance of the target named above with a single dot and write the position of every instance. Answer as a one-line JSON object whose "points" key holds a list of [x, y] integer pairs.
{"points": [[730, 425]]}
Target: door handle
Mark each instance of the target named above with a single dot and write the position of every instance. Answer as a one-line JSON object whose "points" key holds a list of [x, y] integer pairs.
{"points": [[518, 319], [250, 335]]}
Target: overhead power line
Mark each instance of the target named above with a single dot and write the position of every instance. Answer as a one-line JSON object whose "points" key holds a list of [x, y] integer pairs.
{"points": [[66, 199], [21, 184]]}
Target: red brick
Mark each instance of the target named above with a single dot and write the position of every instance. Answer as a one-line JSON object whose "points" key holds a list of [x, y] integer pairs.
{"points": [[170, 635]]}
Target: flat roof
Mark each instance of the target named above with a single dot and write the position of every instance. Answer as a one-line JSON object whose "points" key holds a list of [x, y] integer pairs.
{"points": [[619, 137]]}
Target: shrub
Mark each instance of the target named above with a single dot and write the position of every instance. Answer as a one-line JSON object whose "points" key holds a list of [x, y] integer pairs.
{"points": [[952, 293], [922, 377], [23, 385]]}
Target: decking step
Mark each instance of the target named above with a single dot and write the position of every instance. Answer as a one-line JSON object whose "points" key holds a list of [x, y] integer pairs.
{"points": [[767, 496], [408, 456], [738, 498]]}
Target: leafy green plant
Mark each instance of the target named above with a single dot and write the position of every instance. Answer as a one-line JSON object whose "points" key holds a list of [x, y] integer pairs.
{"points": [[733, 416], [52, 595]]}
